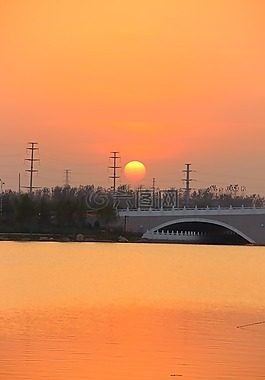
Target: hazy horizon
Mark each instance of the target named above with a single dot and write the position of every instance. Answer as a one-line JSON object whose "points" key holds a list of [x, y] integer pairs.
{"points": [[163, 82]]}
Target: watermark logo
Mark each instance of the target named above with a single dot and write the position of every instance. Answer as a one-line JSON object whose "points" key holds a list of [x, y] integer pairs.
{"points": [[97, 200]]}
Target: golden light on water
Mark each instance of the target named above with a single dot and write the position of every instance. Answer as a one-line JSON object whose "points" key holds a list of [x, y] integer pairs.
{"points": [[130, 311]]}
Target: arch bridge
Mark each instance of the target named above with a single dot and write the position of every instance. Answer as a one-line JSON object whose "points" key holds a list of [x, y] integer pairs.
{"points": [[233, 225]]}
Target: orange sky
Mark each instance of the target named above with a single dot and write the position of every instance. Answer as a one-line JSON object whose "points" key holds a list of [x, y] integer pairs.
{"points": [[163, 82]]}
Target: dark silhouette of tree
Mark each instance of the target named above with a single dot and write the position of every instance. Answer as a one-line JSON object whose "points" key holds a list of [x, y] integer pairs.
{"points": [[69, 209]]}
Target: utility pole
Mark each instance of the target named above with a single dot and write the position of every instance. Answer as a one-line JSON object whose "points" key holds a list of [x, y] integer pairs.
{"points": [[32, 149], [66, 178], [1, 200], [187, 181], [19, 183], [114, 157], [154, 192]]}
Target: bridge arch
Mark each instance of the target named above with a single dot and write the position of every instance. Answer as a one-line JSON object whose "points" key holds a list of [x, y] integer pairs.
{"points": [[201, 221]]}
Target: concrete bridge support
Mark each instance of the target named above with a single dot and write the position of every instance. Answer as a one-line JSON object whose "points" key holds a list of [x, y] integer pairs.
{"points": [[220, 225]]}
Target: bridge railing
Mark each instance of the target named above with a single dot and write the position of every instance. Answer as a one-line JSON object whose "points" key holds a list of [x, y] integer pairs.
{"points": [[191, 208], [178, 212], [174, 235]]}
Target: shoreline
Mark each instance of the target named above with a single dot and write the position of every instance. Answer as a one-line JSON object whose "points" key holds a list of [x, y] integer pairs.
{"points": [[64, 238]]}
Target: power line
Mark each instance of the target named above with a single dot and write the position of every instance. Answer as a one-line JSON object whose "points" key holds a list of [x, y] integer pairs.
{"points": [[66, 178], [114, 167], [32, 149], [187, 181]]}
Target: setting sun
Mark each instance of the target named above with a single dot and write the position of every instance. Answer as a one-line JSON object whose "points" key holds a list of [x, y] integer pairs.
{"points": [[134, 171]]}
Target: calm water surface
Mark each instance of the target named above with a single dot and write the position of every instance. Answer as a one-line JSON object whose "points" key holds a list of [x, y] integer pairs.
{"points": [[105, 311]]}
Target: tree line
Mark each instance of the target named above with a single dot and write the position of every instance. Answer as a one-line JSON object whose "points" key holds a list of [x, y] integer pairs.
{"points": [[88, 208]]}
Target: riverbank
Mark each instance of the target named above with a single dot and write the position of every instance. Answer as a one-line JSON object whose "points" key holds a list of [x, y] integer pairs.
{"points": [[110, 238]]}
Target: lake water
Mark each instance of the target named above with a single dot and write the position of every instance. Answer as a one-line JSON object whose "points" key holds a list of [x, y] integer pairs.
{"points": [[110, 311]]}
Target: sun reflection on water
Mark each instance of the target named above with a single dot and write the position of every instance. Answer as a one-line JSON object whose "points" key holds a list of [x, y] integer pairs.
{"points": [[99, 311]]}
